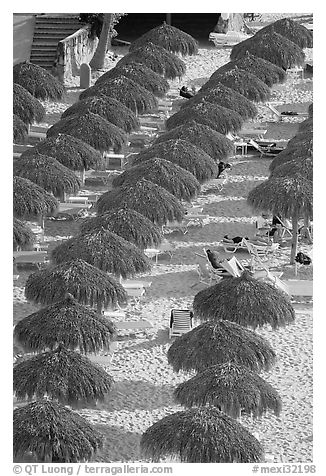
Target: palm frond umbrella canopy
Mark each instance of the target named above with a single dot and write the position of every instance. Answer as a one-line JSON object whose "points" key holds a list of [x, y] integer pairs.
{"points": [[266, 71], [293, 168], [292, 30], [66, 322], [307, 125], [168, 37], [62, 375], [92, 129], [241, 81], [232, 388], [145, 197], [87, 284], [272, 47], [105, 250], [176, 180], [245, 301], [200, 435], [213, 343], [30, 200], [141, 74], [218, 118], [216, 145], [226, 97], [126, 91], [182, 153], [54, 433], [38, 81], [108, 108], [75, 154], [48, 173], [26, 106], [301, 150], [301, 138], [20, 130], [310, 109], [157, 59], [22, 234], [127, 223]]}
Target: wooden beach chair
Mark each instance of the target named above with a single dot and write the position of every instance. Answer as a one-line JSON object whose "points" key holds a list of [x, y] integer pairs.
{"points": [[180, 322]]}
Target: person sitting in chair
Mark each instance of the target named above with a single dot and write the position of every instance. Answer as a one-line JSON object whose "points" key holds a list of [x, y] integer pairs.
{"points": [[185, 93], [214, 259], [221, 167]]}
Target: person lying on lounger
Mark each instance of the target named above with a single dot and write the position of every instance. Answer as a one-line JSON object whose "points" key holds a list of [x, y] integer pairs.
{"points": [[214, 259], [237, 239]]}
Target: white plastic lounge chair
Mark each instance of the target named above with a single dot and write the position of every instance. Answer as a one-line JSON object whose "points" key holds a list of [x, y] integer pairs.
{"points": [[258, 253], [135, 283], [80, 199], [227, 39], [110, 160], [38, 258], [180, 322], [152, 253], [268, 152], [281, 116], [115, 314], [232, 248]]}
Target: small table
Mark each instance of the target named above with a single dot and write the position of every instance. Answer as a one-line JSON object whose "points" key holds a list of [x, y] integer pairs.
{"points": [[243, 146]]}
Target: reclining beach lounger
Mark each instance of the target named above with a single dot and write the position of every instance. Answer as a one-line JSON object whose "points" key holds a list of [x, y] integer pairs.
{"points": [[180, 322], [38, 258], [268, 151], [279, 115]]}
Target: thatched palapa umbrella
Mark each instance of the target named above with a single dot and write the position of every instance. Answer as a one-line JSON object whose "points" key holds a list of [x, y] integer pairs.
{"points": [[173, 178], [26, 106], [105, 250], [22, 234], [38, 81], [231, 388], [304, 138], [293, 168], [216, 117], [20, 130], [212, 142], [288, 197], [62, 375], [266, 71], [87, 284], [245, 301], [145, 197], [127, 223], [241, 81], [221, 95], [200, 435], [156, 58], [168, 37], [272, 47], [310, 109], [141, 74], [126, 91], [66, 322], [54, 434], [30, 200], [297, 151], [213, 343], [92, 129], [306, 126], [182, 153], [111, 109], [292, 30], [48, 173]]}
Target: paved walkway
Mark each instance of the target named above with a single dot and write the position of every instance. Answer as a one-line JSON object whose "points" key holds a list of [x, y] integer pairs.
{"points": [[23, 29]]}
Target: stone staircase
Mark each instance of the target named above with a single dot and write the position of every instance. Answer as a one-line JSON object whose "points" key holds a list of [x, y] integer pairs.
{"points": [[48, 31]]}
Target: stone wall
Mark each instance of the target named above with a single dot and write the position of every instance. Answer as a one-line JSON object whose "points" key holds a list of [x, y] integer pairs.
{"points": [[72, 51]]}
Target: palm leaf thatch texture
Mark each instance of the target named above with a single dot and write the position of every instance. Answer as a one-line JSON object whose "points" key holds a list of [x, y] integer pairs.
{"points": [[108, 108], [75, 154], [212, 142], [292, 30], [48, 173], [22, 234], [213, 343], [65, 322], [87, 284], [54, 433], [20, 130], [62, 375], [298, 151], [126, 91], [145, 197], [271, 47], [200, 435], [141, 74], [38, 81], [127, 223], [173, 178], [182, 153], [168, 37], [226, 97], [157, 59], [307, 125], [304, 138], [231, 388], [311, 109], [92, 129], [26, 106], [241, 81], [218, 118], [294, 168], [245, 301], [105, 250], [266, 71], [30, 200]]}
